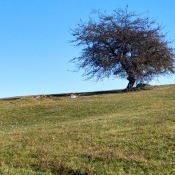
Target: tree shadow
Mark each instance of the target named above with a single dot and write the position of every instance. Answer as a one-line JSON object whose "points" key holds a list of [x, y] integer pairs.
{"points": [[56, 168]]}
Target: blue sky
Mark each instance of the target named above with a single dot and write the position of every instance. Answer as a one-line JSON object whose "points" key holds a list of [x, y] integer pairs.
{"points": [[35, 49]]}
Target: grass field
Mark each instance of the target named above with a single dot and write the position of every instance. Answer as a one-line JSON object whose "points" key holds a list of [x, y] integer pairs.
{"points": [[123, 133]]}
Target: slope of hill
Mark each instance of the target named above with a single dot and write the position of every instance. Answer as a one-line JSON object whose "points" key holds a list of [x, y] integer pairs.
{"points": [[123, 133]]}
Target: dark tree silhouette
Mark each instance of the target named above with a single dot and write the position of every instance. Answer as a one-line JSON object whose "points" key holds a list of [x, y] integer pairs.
{"points": [[125, 45]]}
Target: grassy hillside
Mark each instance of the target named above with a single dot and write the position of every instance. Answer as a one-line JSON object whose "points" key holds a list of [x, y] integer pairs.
{"points": [[124, 133]]}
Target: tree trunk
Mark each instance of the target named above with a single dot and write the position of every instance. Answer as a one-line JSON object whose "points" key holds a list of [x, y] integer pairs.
{"points": [[131, 83]]}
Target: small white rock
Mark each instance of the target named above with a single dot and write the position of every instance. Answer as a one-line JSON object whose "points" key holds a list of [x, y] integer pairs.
{"points": [[73, 96]]}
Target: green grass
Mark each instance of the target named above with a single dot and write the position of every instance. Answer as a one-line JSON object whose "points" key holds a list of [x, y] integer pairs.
{"points": [[122, 133]]}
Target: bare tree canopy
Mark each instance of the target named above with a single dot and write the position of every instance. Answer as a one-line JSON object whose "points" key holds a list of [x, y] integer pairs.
{"points": [[125, 45]]}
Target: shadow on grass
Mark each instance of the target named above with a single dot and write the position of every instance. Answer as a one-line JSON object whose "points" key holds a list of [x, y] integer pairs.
{"points": [[57, 168]]}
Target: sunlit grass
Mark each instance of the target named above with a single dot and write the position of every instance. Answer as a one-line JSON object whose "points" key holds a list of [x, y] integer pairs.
{"points": [[125, 133]]}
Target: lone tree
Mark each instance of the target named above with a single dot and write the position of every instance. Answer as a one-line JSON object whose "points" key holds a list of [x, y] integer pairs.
{"points": [[125, 45]]}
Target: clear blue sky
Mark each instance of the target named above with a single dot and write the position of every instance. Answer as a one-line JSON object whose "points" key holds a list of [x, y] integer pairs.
{"points": [[35, 49]]}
